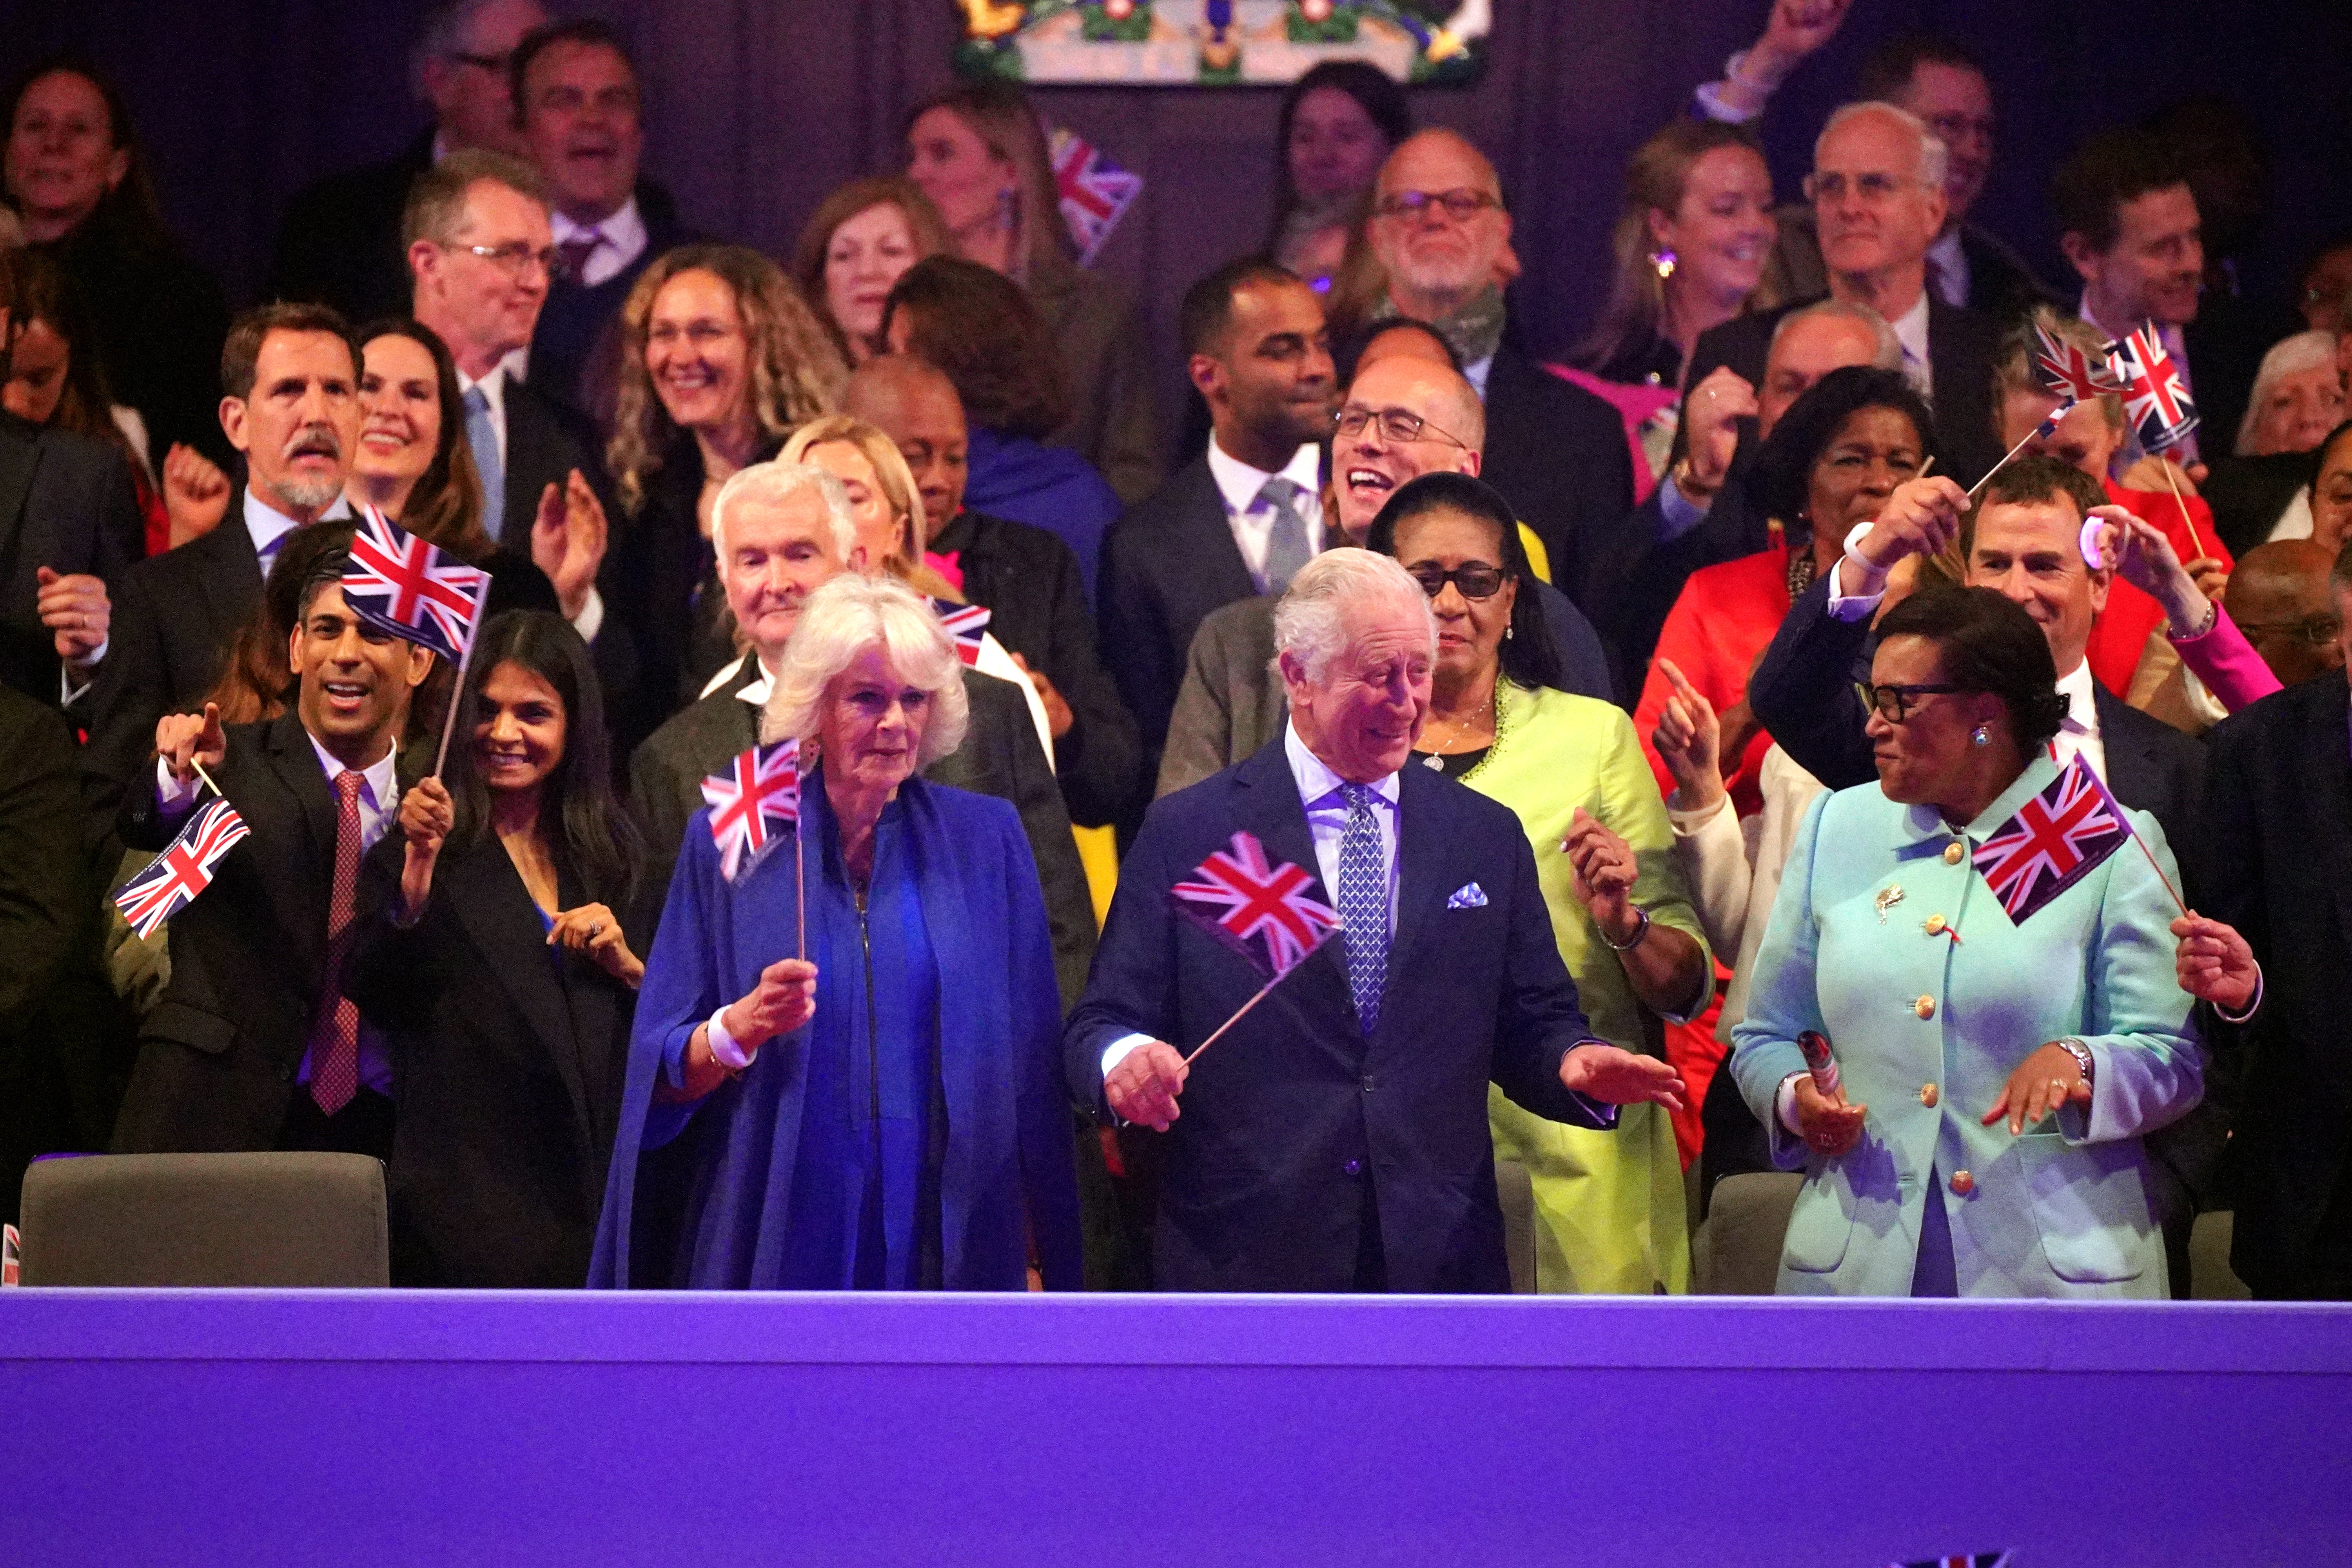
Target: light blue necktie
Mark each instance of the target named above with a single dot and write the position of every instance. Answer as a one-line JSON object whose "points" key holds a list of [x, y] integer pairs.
{"points": [[484, 440], [268, 552], [1364, 904], [1286, 545]]}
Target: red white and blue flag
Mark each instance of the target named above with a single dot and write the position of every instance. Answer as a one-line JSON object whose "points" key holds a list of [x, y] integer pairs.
{"points": [[2056, 839], [751, 802], [1263, 911], [2069, 372], [1095, 192], [965, 623], [404, 587], [174, 879], [2154, 396]]}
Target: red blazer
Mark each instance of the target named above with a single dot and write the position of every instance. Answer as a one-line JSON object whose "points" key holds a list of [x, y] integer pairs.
{"points": [[1714, 633]]}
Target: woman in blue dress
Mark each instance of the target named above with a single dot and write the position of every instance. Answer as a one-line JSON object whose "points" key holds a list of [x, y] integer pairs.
{"points": [[888, 1113]]}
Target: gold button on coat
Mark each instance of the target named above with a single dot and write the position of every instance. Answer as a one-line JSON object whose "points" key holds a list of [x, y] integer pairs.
{"points": [[1963, 1184], [1933, 925], [1952, 853], [1924, 1006], [1928, 1095]]}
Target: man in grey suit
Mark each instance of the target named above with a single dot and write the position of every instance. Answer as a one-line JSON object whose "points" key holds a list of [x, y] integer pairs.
{"points": [[781, 532]]}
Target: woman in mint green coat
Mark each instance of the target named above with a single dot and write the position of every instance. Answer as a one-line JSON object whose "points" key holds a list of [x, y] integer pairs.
{"points": [[1999, 1069]]}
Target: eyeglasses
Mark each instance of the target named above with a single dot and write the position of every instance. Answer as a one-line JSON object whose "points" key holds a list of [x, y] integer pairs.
{"points": [[1872, 189], [2318, 631], [1894, 703], [513, 256], [1461, 203], [1474, 578], [1395, 424]]}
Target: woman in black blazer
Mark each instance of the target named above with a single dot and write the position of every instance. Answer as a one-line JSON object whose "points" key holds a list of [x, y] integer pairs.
{"points": [[494, 960]]}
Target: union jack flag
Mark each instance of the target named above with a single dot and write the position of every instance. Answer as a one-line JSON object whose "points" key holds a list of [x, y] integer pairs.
{"points": [[1261, 910], [404, 587], [2055, 840], [965, 623], [2154, 393], [182, 870], [1095, 192], [2068, 371], [751, 802]]}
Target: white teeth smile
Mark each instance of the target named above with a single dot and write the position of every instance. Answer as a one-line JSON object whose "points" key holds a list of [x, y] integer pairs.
{"points": [[1370, 479]]}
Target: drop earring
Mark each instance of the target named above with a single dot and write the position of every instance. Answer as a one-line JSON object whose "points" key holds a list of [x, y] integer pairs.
{"points": [[1982, 735], [1662, 262]]}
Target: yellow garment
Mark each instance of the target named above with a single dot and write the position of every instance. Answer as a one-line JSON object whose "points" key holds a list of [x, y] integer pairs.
{"points": [[1538, 558], [1098, 853], [1610, 1208]]}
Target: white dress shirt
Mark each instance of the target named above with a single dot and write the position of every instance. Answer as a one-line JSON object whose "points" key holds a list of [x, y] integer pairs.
{"points": [[1320, 792], [1252, 520], [1477, 372], [623, 240], [1911, 331]]}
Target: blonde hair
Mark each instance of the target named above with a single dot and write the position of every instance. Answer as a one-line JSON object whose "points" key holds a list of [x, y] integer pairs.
{"points": [[2290, 355], [1657, 176], [999, 115], [1310, 622], [796, 372], [845, 618], [899, 493]]}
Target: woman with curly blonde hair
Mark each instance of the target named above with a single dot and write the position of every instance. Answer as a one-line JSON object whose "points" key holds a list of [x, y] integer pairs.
{"points": [[720, 361]]}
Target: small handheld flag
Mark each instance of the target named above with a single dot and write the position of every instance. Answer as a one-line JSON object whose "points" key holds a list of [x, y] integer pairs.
{"points": [[1094, 192], [1260, 910], [967, 623], [2154, 396], [757, 797], [2069, 372], [404, 587], [182, 870], [2056, 839]]}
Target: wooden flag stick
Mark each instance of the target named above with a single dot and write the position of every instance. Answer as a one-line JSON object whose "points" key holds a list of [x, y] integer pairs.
{"points": [[800, 886], [457, 693], [2188, 521], [2157, 870], [1236, 1018], [207, 777], [2059, 412]]}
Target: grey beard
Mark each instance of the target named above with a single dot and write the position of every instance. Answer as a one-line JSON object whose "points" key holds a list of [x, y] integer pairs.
{"points": [[306, 495]]}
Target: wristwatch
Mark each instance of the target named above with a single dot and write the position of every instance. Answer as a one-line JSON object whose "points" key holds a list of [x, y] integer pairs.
{"points": [[2081, 1055]]}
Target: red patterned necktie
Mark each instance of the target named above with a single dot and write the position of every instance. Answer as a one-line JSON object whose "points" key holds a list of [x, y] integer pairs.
{"points": [[571, 256], [335, 1037]]}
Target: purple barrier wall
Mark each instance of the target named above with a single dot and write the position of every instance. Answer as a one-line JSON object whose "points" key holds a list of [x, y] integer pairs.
{"points": [[182, 1427]]}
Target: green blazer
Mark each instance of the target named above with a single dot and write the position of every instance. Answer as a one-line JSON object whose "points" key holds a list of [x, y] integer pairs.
{"points": [[2063, 1210]]}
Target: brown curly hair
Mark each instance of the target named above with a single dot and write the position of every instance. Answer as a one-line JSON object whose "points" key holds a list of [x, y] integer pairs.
{"points": [[796, 372], [923, 222]]}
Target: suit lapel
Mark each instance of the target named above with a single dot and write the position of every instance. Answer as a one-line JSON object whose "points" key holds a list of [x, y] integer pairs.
{"points": [[1225, 577], [295, 763], [488, 897], [2130, 773], [227, 571], [20, 454], [1422, 844]]}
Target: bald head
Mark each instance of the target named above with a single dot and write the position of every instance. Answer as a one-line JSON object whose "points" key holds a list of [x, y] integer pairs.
{"points": [[1438, 224], [1369, 463], [914, 402], [2278, 597]]}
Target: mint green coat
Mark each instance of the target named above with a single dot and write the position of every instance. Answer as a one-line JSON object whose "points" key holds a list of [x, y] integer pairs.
{"points": [[2063, 1210]]}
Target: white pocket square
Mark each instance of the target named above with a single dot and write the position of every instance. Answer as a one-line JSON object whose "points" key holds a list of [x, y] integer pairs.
{"points": [[1469, 896]]}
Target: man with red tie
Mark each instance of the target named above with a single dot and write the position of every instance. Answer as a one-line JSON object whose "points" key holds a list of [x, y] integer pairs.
{"points": [[253, 1045]]}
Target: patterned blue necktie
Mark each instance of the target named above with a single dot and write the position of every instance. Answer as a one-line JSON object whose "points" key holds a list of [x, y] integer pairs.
{"points": [[1364, 904], [1286, 541], [484, 440]]}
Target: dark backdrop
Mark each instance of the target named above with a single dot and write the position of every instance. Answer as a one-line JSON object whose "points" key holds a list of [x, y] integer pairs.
{"points": [[756, 107]]}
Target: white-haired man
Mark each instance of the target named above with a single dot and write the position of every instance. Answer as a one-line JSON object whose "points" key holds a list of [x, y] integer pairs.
{"points": [[1338, 1139], [781, 530], [1877, 191]]}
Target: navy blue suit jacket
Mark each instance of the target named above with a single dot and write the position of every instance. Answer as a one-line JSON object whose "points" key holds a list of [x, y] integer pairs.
{"points": [[1295, 1111]]}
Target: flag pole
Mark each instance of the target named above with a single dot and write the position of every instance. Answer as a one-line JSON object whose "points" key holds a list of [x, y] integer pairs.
{"points": [[2058, 413], [457, 689], [800, 884], [207, 777], [2188, 521], [1236, 1018]]}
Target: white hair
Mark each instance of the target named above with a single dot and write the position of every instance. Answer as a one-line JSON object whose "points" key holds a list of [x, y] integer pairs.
{"points": [[1886, 351], [845, 618], [2289, 356], [1310, 624], [1935, 158], [776, 483]]}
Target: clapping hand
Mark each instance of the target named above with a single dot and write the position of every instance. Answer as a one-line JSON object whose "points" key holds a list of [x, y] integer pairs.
{"points": [[568, 539], [188, 741], [1615, 1075], [1143, 1086], [594, 930], [2215, 964], [1689, 742], [1826, 1122], [75, 608]]}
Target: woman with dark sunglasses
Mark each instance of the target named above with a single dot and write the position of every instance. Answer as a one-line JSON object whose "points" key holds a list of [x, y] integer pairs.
{"points": [[1610, 1205]]}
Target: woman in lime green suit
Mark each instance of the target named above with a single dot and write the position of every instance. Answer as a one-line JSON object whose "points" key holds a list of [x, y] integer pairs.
{"points": [[2005, 1017], [1610, 1209]]}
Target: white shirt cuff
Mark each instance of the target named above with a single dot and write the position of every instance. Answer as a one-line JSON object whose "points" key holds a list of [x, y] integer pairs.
{"points": [[1118, 1049], [590, 619], [1860, 607], [1784, 1104], [723, 1049], [1691, 824], [172, 798]]}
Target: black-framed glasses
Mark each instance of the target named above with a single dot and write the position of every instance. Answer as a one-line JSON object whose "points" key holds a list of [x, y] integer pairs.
{"points": [[1894, 703], [513, 256], [1476, 579], [1395, 424], [1461, 203], [2319, 631]]}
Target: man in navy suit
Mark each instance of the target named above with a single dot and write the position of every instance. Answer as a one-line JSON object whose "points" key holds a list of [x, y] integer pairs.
{"points": [[1338, 1138]]}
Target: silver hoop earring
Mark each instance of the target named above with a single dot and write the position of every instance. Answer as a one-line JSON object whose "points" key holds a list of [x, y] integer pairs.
{"points": [[1982, 735]]}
